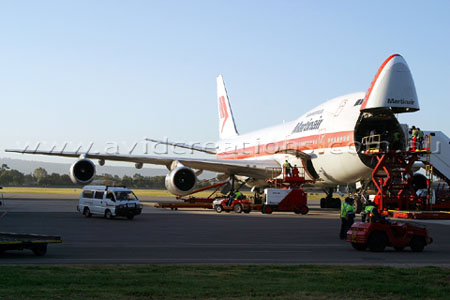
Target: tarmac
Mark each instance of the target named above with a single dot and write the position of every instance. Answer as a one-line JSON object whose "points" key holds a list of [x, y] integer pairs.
{"points": [[196, 236]]}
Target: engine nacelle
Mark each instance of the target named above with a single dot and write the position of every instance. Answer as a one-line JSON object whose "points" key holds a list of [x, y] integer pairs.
{"points": [[181, 181], [82, 171]]}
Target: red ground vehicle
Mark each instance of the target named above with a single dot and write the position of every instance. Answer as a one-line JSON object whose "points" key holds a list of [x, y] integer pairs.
{"points": [[285, 200], [237, 206], [377, 235]]}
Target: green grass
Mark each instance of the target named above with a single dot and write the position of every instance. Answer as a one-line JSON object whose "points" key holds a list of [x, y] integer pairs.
{"points": [[223, 282]]}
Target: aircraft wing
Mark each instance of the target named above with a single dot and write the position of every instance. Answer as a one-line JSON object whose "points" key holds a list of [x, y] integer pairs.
{"points": [[251, 168]]}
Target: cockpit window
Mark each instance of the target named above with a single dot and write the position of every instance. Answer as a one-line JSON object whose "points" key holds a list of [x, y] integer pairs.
{"points": [[125, 196]]}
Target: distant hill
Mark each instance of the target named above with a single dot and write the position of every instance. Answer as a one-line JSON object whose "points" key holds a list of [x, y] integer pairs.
{"points": [[27, 167]]}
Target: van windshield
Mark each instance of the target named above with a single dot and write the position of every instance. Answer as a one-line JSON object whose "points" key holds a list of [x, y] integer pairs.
{"points": [[125, 195]]}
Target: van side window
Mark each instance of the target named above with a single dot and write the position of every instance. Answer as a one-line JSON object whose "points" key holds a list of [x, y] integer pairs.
{"points": [[110, 196], [99, 195], [88, 194]]}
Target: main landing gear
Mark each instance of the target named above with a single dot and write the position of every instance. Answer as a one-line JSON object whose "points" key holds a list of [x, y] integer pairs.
{"points": [[329, 201]]}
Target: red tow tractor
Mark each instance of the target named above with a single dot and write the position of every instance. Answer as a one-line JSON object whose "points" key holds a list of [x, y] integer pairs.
{"points": [[238, 206], [377, 235]]}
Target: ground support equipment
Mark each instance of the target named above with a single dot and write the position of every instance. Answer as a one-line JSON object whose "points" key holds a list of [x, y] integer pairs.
{"points": [[396, 194], [393, 179], [196, 202], [286, 195], [35, 242], [378, 235], [420, 215]]}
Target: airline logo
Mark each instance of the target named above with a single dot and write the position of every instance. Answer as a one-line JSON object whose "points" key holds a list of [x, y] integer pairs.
{"points": [[307, 126], [223, 111]]}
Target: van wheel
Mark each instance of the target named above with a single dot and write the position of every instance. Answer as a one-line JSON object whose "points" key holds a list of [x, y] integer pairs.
{"points": [[87, 212], [130, 217], [108, 214]]}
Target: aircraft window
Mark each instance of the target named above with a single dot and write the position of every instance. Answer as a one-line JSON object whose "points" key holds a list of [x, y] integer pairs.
{"points": [[88, 194], [358, 102], [99, 195]]}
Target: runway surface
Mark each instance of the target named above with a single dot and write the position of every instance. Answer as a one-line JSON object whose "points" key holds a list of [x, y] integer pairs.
{"points": [[161, 236]]}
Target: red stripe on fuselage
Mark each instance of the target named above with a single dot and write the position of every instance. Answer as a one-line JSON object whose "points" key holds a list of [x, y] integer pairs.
{"points": [[369, 91], [313, 142]]}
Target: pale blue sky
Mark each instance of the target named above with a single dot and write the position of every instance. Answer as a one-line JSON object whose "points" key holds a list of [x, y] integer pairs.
{"points": [[120, 71]]}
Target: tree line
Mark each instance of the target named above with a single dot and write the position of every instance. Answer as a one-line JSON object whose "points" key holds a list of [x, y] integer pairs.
{"points": [[40, 177]]}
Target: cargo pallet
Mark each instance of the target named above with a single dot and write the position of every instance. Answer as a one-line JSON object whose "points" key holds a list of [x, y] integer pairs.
{"points": [[176, 206]]}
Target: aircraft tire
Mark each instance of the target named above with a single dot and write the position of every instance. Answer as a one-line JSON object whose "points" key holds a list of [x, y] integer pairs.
{"points": [[323, 203]]}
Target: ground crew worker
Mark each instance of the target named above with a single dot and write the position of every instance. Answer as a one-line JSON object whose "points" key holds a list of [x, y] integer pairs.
{"points": [[232, 197], [370, 213], [347, 217], [413, 137], [287, 168], [295, 171], [420, 135], [238, 196], [396, 141]]}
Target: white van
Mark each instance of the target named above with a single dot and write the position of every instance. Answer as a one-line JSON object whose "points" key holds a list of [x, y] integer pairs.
{"points": [[109, 202]]}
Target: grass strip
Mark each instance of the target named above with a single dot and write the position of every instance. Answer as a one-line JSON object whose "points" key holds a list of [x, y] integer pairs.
{"points": [[223, 282]]}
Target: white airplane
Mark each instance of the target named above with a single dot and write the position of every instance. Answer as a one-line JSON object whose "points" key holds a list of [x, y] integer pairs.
{"points": [[324, 140]]}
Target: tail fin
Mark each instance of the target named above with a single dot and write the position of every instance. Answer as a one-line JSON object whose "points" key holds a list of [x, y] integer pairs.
{"points": [[393, 88], [227, 127]]}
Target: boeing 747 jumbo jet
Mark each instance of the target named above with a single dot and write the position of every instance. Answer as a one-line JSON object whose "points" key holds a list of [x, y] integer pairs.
{"points": [[324, 140]]}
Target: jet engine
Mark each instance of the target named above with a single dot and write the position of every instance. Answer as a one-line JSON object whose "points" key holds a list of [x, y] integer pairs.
{"points": [[82, 171], [181, 181]]}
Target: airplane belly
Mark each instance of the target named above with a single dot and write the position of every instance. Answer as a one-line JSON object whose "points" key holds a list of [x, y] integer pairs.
{"points": [[340, 166]]}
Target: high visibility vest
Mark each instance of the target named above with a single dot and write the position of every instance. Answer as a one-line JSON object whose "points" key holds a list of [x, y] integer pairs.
{"points": [[346, 208], [420, 134], [287, 165], [369, 208], [414, 133], [396, 136], [237, 195]]}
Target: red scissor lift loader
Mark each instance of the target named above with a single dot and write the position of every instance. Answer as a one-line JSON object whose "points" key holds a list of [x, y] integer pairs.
{"points": [[397, 196], [393, 179]]}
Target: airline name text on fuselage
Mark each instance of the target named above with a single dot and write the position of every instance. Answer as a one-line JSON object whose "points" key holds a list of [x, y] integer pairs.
{"points": [[309, 125]]}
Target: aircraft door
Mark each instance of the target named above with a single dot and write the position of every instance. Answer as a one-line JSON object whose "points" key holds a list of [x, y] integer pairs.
{"points": [[322, 144]]}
